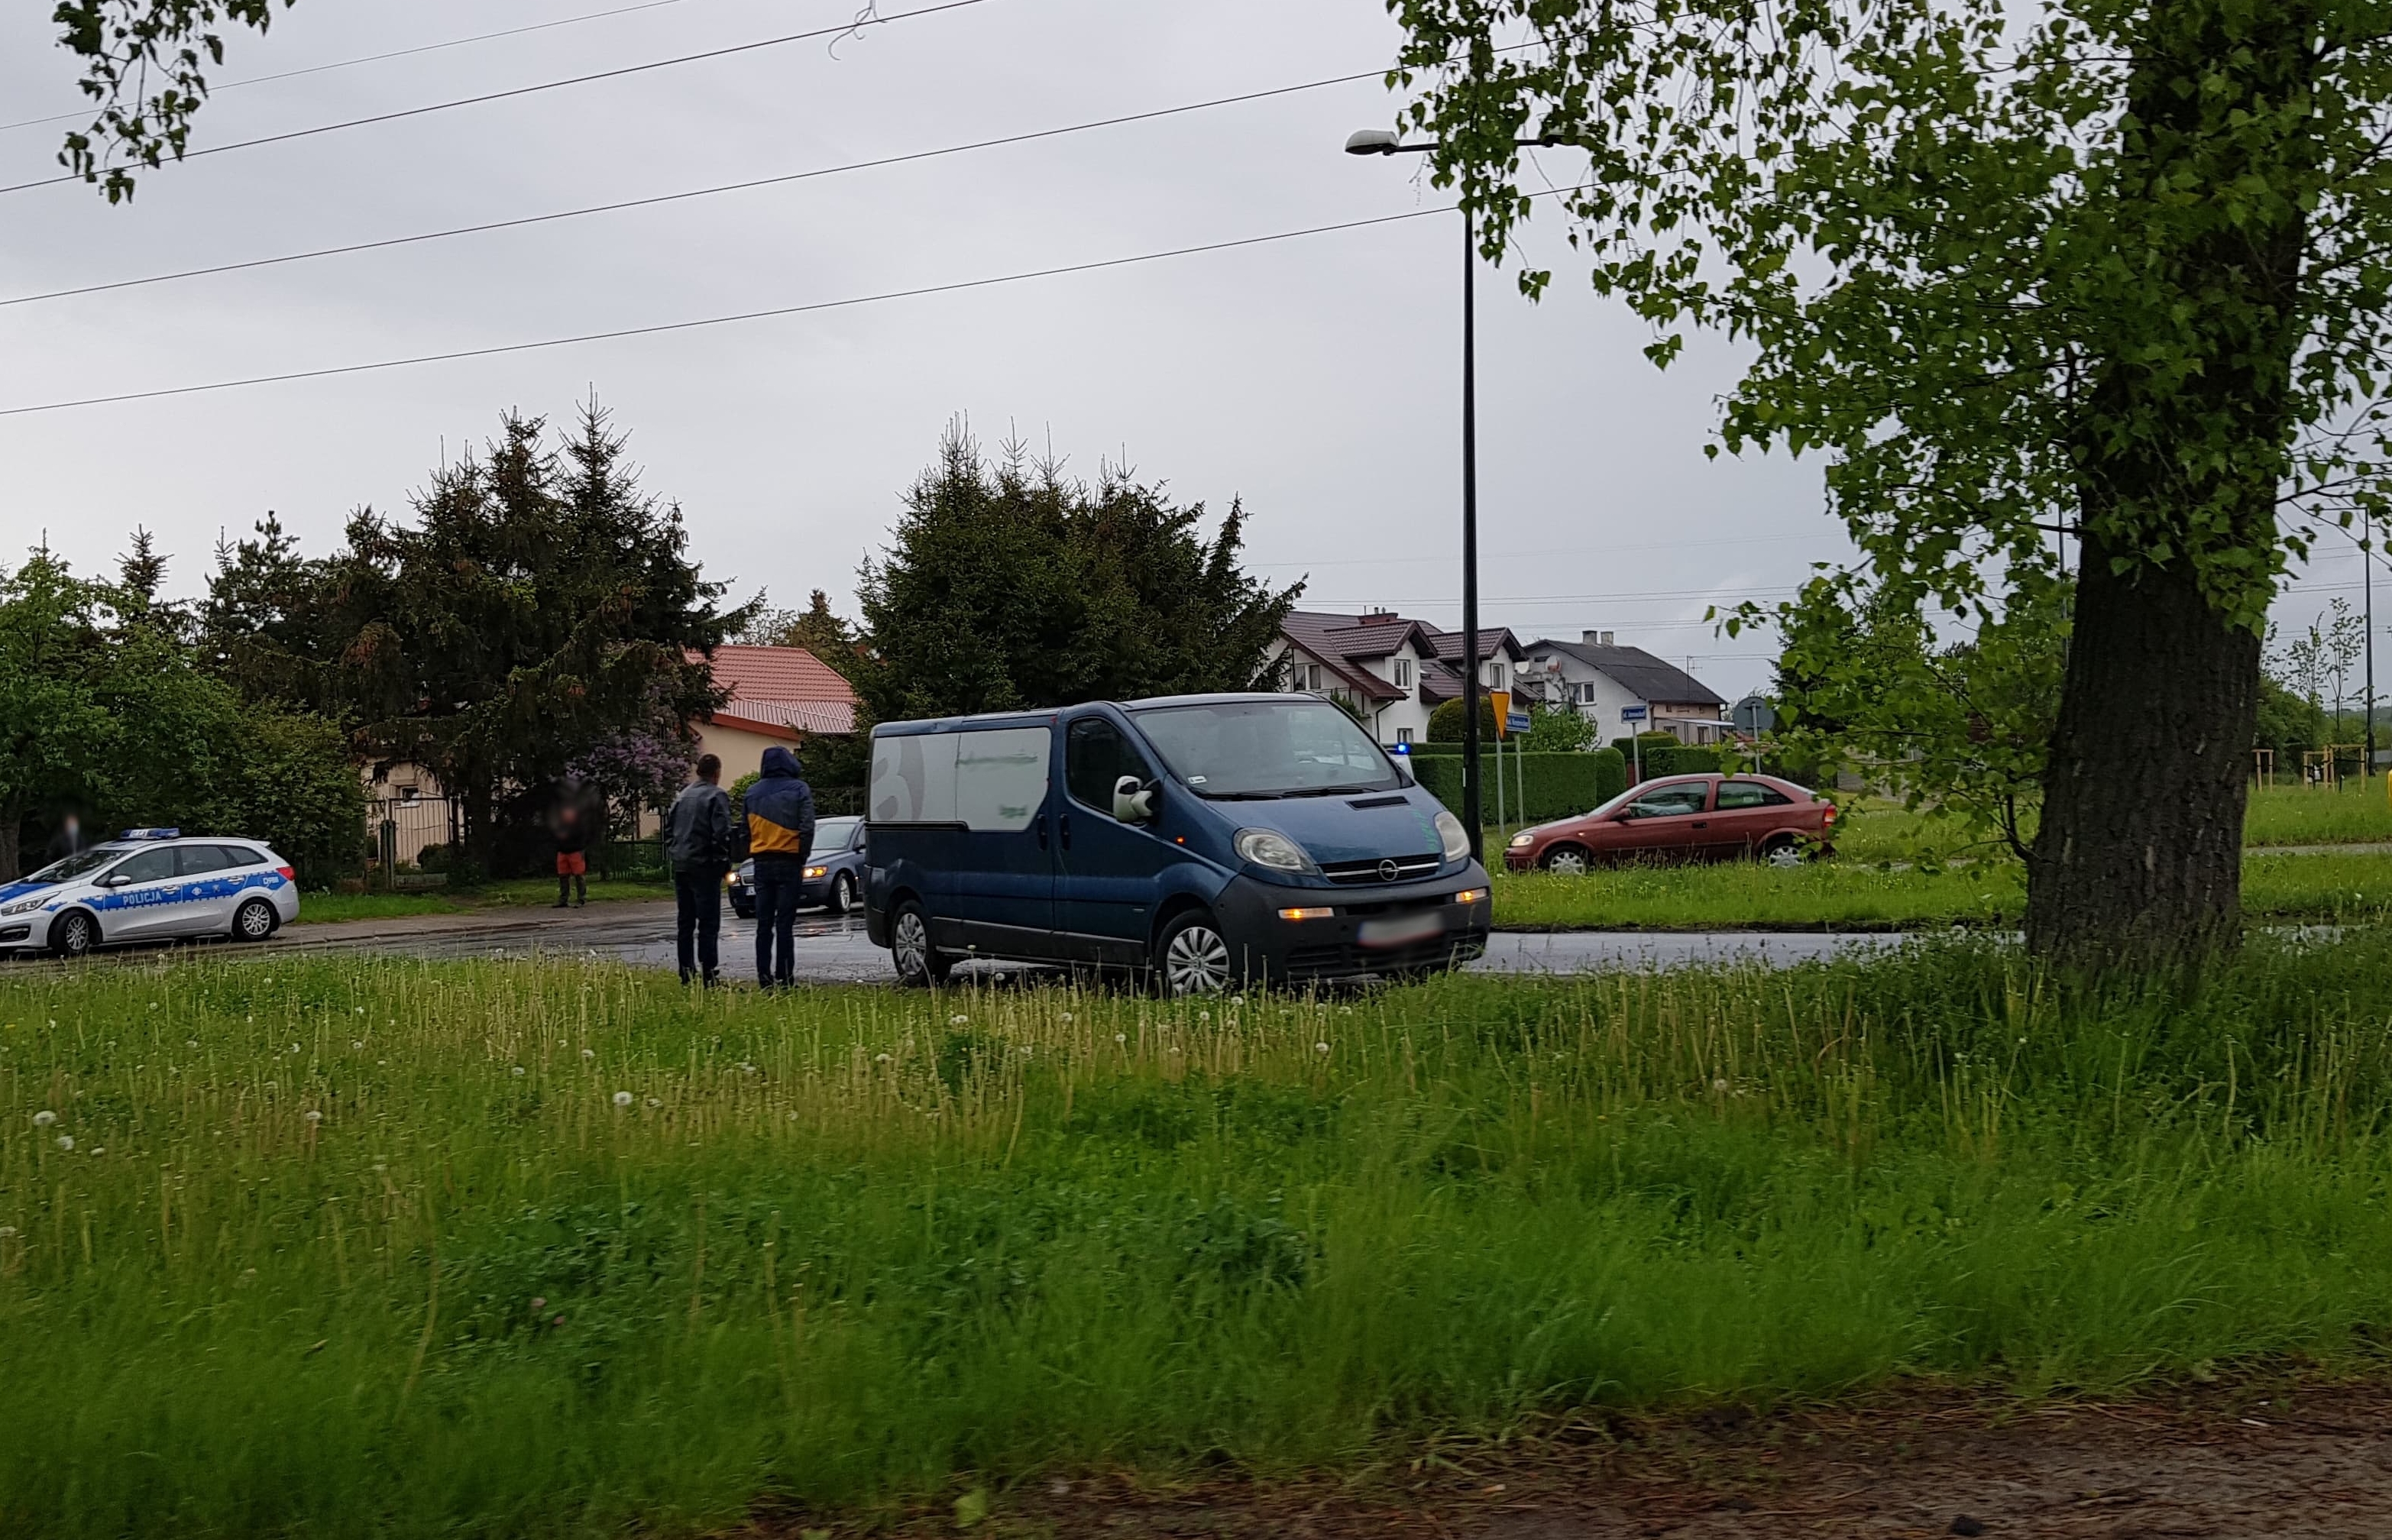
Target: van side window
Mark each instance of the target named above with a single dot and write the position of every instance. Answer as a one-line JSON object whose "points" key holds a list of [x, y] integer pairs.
{"points": [[1095, 757]]}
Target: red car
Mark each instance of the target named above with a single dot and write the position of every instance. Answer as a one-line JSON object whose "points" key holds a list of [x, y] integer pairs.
{"points": [[1683, 818]]}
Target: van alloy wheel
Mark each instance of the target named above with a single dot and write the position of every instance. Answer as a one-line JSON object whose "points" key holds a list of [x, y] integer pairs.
{"points": [[909, 946], [1567, 861], [1195, 961], [255, 920], [76, 934]]}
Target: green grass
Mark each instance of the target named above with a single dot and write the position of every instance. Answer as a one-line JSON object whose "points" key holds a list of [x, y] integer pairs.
{"points": [[520, 893], [351, 1249], [2296, 815], [1844, 894]]}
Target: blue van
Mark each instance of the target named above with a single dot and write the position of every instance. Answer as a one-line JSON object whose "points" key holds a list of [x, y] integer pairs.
{"points": [[1212, 840]]}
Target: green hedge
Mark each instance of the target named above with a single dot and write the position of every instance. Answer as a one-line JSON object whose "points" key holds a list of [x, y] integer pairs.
{"points": [[1557, 785]]}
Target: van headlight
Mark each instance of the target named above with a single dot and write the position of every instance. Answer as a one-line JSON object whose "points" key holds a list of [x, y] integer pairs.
{"points": [[1270, 848], [1456, 838]]}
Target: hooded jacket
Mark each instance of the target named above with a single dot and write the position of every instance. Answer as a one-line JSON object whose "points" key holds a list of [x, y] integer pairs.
{"points": [[780, 811]]}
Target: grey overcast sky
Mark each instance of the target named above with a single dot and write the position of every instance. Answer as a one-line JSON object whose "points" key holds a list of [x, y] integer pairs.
{"points": [[1316, 378]]}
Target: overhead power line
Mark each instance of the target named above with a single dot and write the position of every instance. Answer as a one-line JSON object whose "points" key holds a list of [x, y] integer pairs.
{"points": [[742, 316], [691, 192], [375, 59], [852, 26]]}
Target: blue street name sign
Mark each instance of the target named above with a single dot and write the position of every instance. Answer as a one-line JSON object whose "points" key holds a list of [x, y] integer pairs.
{"points": [[1632, 713]]}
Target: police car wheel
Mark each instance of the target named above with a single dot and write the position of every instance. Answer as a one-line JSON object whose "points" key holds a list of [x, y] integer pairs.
{"points": [[255, 920], [74, 935]]}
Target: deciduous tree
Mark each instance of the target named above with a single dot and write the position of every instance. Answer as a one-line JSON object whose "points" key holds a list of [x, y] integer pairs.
{"points": [[2118, 266], [145, 65]]}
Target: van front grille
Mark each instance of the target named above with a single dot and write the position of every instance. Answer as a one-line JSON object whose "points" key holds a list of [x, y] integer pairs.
{"points": [[1396, 869]]}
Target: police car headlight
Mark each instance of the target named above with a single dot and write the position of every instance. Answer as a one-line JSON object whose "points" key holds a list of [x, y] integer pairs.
{"points": [[26, 906], [1270, 847], [1456, 838]]}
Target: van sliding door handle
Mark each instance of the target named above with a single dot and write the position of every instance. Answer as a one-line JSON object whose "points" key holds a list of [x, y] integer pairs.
{"points": [[1063, 823]]}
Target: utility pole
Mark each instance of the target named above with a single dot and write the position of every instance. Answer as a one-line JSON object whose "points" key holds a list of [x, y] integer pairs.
{"points": [[1472, 806]]}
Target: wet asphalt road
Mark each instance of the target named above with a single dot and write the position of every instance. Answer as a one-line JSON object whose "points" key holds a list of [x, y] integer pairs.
{"points": [[834, 951]]}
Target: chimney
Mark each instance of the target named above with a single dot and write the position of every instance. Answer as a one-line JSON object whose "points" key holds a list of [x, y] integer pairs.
{"points": [[1596, 639], [1377, 617]]}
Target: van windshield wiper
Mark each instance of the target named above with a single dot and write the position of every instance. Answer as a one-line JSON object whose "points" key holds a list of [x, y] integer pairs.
{"points": [[1242, 796]]}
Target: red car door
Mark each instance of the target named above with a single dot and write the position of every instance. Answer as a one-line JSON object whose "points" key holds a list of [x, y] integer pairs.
{"points": [[1667, 822], [1746, 813]]}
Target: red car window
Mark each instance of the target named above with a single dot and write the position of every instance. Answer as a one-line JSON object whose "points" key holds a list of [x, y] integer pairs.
{"points": [[1671, 801], [1751, 794]]}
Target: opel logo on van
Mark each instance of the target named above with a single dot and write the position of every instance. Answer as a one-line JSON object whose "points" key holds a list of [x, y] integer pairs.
{"points": [[1389, 870]]}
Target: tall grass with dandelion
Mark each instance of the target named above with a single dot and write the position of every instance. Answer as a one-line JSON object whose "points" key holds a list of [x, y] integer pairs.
{"points": [[298, 1246]]}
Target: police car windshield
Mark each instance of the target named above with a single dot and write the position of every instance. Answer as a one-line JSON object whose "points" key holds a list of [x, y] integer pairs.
{"points": [[1266, 748], [83, 865]]}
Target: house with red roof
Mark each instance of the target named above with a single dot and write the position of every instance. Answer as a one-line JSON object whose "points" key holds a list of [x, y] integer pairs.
{"points": [[779, 695]]}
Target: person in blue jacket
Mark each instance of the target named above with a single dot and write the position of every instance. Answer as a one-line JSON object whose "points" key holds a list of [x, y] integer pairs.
{"points": [[780, 838]]}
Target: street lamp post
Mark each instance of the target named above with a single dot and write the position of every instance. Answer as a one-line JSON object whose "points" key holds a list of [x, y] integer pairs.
{"points": [[1378, 141]]}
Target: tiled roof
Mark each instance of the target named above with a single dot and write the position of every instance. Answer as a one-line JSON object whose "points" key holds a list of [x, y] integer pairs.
{"points": [[1636, 671], [783, 686]]}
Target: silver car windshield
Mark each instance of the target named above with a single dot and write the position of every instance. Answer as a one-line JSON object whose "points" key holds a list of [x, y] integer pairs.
{"points": [[1295, 747], [80, 865]]}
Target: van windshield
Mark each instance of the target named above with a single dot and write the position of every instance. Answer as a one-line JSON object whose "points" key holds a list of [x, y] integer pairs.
{"points": [[1296, 747]]}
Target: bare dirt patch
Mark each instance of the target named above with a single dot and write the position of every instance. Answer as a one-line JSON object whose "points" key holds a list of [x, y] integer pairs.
{"points": [[2305, 1460]]}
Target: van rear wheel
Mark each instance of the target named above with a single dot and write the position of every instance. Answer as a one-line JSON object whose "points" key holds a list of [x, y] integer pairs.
{"points": [[918, 962], [1195, 957]]}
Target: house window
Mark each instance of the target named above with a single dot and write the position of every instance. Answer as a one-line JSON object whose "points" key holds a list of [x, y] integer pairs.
{"points": [[1403, 735], [1495, 675], [1403, 673], [1307, 677], [1584, 693]]}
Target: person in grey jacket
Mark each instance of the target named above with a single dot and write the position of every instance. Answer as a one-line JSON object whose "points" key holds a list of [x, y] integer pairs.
{"points": [[697, 843]]}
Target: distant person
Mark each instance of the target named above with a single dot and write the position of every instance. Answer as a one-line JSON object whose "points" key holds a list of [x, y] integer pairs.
{"points": [[569, 824], [698, 842], [780, 838], [69, 840]]}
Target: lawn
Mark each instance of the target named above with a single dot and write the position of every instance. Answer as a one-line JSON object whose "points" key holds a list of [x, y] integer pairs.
{"points": [[1844, 894], [342, 1247], [520, 893]]}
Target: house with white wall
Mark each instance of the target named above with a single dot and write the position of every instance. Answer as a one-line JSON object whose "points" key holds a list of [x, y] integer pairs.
{"points": [[1392, 670], [1600, 679]]}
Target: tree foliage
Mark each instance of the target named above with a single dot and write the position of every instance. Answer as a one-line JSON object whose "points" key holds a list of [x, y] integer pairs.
{"points": [[145, 66], [539, 610], [2121, 267], [1009, 584], [817, 628], [109, 712]]}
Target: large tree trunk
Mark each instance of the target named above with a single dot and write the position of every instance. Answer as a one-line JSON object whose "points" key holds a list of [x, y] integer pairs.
{"points": [[2182, 451], [2139, 856]]}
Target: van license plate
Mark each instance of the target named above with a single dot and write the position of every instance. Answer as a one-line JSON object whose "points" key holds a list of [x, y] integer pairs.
{"points": [[1400, 931]]}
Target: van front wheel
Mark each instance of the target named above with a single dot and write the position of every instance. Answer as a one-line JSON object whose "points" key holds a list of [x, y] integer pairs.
{"points": [[918, 962], [1195, 957]]}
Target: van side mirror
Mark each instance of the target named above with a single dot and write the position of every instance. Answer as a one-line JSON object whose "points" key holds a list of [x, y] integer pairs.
{"points": [[1133, 801]]}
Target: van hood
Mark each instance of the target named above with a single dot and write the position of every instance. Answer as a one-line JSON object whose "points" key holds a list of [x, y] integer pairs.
{"points": [[1354, 826]]}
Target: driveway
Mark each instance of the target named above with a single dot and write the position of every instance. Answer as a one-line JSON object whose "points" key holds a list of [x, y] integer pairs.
{"points": [[834, 951]]}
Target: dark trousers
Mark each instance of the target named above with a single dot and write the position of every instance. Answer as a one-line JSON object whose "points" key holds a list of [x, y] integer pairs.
{"points": [[777, 885], [698, 908]]}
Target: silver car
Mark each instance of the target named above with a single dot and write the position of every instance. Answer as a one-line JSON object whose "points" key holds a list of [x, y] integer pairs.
{"points": [[152, 884]]}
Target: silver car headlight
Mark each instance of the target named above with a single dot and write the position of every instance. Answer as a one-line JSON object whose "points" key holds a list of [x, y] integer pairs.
{"points": [[26, 906], [1270, 847], [1456, 838]]}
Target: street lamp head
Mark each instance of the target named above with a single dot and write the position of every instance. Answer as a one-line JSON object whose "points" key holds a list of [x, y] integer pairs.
{"points": [[1372, 141]]}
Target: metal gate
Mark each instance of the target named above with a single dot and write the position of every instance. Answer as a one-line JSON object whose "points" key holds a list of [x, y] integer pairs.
{"points": [[404, 827]]}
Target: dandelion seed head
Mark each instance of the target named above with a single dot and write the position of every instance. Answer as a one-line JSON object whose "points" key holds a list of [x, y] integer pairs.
{"points": [[622, 1098], [1320, 1047], [655, 1101], [589, 1052], [880, 1058], [357, 1043], [45, 1117], [1719, 1084], [958, 1020], [1121, 1037], [65, 1141], [539, 1303], [518, 1071], [190, 1042], [314, 1117], [7, 1231]]}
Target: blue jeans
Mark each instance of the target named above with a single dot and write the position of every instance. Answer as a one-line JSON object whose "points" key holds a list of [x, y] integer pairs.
{"points": [[698, 907], [777, 885]]}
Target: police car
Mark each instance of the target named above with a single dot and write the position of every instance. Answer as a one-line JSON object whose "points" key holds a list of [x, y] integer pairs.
{"points": [[152, 884]]}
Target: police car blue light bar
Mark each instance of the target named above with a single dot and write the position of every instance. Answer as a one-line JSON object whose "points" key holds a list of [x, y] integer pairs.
{"points": [[153, 834]]}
